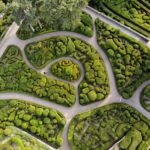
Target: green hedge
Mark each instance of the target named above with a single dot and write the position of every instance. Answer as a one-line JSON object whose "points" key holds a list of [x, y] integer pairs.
{"points": [[102, 127], [42, 122], [16, 76], [85, 28], [66, 69], [130, 59], [145, 98], [95, 85], [131, 13]]}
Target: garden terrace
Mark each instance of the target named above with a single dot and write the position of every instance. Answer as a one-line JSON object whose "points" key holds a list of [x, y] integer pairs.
{"points": [[130, 59], [11, 136], [131, 13], [42, 122], [85, 28], [102, 127], [145, 98], [95, 85], [16, 76], [66, 69]]}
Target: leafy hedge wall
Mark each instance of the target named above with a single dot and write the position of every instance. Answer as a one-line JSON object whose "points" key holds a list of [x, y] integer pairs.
{"points": [[16, 76], [102, 127], [130, 59], [145, 98], [95, 85], [42, 122]]}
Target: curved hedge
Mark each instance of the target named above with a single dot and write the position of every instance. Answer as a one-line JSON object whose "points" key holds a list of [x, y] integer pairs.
{"points": [[132, 13], [102, 127], [85, 28], [16, 76], [145, 98], [130, 59], [42, 122], [66, 69], [95, 85]]}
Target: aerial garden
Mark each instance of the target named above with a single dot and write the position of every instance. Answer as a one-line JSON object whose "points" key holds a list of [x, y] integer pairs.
{"points": [[75, 75]]}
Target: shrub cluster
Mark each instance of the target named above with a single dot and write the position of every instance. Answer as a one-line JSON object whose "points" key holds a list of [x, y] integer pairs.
{"points": [[16, 76], [129, 58], [42, 122], [145, 98], [66, 69], [21, 140], [95, 85], [102, 127], [85, 28], [134, 13]]}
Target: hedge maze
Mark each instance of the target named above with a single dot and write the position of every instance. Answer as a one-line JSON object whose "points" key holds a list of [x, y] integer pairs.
{"points": [[95, 85], [44, 123], [145, 98], [133, 13], [66, 69], [130, 59], [16, 76], [102, 127]]}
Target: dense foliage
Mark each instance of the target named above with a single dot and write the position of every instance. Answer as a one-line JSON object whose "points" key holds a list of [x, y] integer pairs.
{"points": [[145, 98], [129, 58], [66, 69], [58, 15], [102, 127], [16, 76], [95, 85], [85, 27], [21, 140], [132, 13], [42, 122]]}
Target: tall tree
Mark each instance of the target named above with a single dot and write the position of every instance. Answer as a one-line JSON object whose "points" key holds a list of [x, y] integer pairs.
{"points": [[58, 14]]}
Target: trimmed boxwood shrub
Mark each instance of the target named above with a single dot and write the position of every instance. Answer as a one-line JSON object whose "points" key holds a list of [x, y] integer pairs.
{"points": [[96, 79], [102, 127], [66, 69], [16, 76], [130, 59], [31, 122]]}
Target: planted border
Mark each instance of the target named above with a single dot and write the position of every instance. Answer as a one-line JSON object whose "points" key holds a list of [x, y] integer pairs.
{"points": [[102, 127], [16, 76], [95, 85], [130, 59], [42, 122]]}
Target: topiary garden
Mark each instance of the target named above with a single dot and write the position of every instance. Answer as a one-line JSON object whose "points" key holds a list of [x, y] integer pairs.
{"points": [[42, 122], [130, 59], [16, 76], [66, 69], [101, 128], [95, 85]]}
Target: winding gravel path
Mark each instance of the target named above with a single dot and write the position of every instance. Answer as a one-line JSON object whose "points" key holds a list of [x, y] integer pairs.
{"points": [[11, 39]]}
